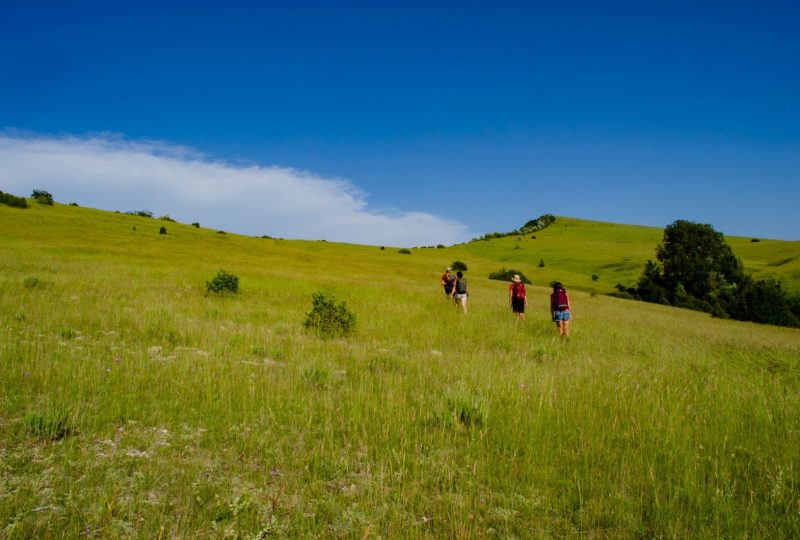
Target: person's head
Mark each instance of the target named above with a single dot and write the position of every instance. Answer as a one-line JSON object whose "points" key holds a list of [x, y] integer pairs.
{"points": [[460, 274], [557, 286], [448, 269], [516, 278]]}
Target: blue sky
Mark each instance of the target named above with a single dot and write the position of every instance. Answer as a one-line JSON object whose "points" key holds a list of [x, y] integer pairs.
{"points": [[407, 123]]}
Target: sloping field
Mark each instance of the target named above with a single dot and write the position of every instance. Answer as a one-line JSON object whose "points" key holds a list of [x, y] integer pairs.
{"points": [[573, 250], [134, 405]]}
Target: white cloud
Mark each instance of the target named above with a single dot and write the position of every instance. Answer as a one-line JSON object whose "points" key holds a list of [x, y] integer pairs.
{"points": [[115, 174]]}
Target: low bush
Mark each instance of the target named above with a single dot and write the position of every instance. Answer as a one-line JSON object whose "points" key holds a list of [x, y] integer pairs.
{"points": [[42, 197], [328, 318], [12, 200], [541, 263], [223, 283], [73, 204], [140, 213], [196, 225], [595, 277], [162, 230], [439, 246], [404, 251], [507, 275], [458, 265], [166, 218], [31, 282]]}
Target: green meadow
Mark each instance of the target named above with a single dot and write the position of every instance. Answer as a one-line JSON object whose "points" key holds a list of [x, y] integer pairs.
{"points": [[135, 405]]}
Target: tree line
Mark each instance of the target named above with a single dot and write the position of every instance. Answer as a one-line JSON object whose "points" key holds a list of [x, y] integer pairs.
{"points": [[697, 269]]}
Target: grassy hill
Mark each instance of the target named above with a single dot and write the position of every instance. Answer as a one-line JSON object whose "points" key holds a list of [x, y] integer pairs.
{"points": [[573, 250], [133, 405]]}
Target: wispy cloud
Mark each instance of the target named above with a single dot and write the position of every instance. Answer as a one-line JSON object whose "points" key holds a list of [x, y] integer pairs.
{"points": [[116, 174]]}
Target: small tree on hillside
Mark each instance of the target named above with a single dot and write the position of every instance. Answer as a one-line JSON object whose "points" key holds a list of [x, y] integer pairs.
{"points": [[690, 253], [42, 197]]}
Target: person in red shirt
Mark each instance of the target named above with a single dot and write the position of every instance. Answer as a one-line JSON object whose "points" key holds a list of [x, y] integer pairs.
{"points": [[448, 282], [517, 297]]}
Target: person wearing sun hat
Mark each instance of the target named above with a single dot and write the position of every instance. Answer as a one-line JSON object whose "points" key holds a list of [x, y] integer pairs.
{"points": [[448, 281], [517, 297]]}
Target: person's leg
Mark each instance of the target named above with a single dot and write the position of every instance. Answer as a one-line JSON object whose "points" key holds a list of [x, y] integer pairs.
{"points": [[464, 303]]}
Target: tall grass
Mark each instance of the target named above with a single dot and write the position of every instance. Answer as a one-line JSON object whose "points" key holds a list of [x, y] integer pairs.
{"points": [[183, 414]]}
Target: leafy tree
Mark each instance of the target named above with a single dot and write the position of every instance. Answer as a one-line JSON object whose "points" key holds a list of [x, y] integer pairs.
{"points": [[763, 301], [42, 197], [459, 265], [698, 270], [690, 252], [651, 287]]}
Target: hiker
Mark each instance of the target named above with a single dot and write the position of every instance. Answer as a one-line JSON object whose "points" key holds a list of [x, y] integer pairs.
{"points": [[448, 282], [460, 290], [517, 297], [561, 309]]}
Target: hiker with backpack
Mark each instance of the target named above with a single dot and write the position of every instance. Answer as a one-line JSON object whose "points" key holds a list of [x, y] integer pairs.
{"points": [[448, 282], [460, 290], [517, 297], [561, 310]]}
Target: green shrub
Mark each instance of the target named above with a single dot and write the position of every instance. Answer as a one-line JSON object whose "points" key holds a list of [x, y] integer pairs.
{"points": [[383, 247], [196, 225], [507, 275], [541, 263], [755, 240], [328, 318], [223, 283], [42, 197], [12, 200], [404, 251], [31, 282], [595, 277], [221, 232], [162, 230], [73, 204], [140, 213], [458, 265], [166, 218], [439, 246]]}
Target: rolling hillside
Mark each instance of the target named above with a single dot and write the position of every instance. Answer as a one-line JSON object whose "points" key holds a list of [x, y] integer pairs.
{"points": [[573, 250], [135, 405]]}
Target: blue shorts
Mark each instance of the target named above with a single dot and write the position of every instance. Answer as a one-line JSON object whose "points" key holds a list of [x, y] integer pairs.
{"points": [[562, 316]]}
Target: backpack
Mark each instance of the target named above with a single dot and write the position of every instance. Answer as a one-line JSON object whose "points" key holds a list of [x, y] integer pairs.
{"points": [[518, 289], [461, 286], [560, 300]]}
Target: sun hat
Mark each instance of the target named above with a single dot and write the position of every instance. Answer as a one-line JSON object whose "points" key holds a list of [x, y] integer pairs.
{"points": [[516, 277], [448, 268]]}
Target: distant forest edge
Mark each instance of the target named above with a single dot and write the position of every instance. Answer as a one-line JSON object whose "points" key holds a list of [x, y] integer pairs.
{"points": [[532, 226]]}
